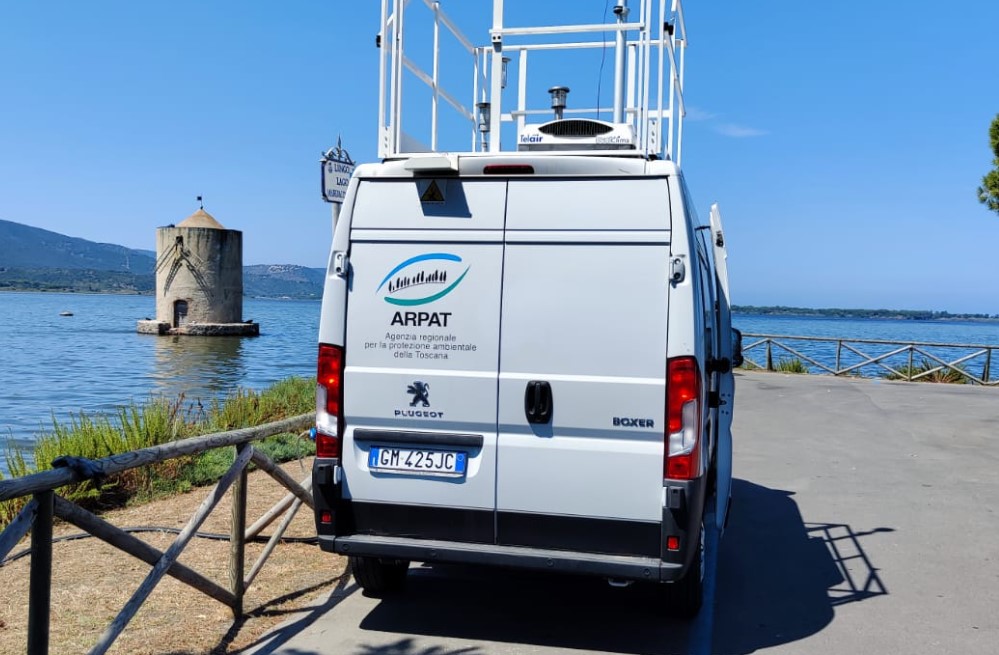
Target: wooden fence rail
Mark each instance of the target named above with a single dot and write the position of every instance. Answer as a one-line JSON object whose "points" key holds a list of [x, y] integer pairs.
{"points": [[971, 357], [37, 516]]}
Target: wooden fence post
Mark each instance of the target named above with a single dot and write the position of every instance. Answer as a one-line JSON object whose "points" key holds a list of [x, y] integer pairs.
{"points": [[37, 516], [40, 577], [18, 527], [237, 540], [137, 548], [276, 511], [170, 556]]}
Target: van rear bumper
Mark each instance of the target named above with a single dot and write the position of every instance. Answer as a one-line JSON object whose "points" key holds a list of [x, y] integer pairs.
{"points": [[424, 550]]}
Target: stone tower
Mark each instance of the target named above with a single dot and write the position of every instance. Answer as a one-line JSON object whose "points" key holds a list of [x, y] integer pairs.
{"points": [[199, 280]]}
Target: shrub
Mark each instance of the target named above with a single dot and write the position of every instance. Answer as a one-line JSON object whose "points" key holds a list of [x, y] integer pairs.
{"points": [[945, 375], [159, 421], [790, 365]]}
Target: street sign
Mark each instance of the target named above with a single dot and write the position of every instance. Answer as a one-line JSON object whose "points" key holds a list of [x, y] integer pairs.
{"points": [[337, 167]]}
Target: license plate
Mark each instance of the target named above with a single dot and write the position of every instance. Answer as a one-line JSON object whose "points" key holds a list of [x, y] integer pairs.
{"points": [[417, 460]]}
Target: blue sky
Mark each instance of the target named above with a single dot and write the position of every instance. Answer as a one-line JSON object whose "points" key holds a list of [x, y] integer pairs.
{"points": [[843, 141]]}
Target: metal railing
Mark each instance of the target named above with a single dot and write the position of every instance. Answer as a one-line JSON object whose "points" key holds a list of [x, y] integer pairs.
{"points": [[45, 505], [649, 45], [912, 361]]}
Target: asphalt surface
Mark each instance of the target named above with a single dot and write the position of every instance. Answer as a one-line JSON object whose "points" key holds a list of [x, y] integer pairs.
{"points": [[863, 521]]}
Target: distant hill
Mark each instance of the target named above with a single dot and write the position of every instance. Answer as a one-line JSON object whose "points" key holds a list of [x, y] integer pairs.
{"points": [[80, 280], [280, 280], [33, 259], [26, 247]]}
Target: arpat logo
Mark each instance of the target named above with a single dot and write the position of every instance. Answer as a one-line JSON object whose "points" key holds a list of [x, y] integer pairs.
{"points": [[423, 279]]}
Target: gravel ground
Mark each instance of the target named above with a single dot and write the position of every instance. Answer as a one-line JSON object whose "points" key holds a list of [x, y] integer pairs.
{"points": [[92, 581]]}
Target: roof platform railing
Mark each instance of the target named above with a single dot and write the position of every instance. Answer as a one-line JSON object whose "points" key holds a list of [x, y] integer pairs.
{"points": [[649, 59], [392, 63]]}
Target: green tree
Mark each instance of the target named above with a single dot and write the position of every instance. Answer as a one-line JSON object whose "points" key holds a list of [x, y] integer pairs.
{"points": [[988, 193]]}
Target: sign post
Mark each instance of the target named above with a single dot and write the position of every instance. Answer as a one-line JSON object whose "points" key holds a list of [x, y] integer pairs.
{"points": [[337, 167]]}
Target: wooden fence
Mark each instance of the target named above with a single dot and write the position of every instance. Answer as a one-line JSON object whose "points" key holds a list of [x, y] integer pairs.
{"points": [[45, 504], [912, 361]]}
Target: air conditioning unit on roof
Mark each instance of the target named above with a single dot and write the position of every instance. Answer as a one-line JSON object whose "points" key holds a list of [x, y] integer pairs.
{"points": [[577, 134]]}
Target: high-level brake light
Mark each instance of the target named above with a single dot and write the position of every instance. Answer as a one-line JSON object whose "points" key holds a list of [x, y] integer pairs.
{"points": [[508, 169], [683, 419], [329, 401]]}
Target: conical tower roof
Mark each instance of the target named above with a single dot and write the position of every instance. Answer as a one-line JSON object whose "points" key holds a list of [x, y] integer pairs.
{"points": [[201, 218]]}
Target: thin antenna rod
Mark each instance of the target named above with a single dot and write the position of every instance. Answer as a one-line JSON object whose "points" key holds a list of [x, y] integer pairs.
{"points": [[496, 77], [621, 11]]}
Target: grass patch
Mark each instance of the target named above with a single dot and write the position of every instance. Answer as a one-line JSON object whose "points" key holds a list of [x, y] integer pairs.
{"points": [[782, 365], [153, 423], [946, 375], [790, 365], [208, 467]]}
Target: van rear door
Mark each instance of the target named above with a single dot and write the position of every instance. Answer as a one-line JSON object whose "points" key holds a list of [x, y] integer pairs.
{"points": [[726, 381], [421, 352], [582, 365]]}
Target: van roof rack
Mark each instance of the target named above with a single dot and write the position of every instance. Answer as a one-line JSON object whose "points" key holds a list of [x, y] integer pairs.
{"points": [[647, 111]]}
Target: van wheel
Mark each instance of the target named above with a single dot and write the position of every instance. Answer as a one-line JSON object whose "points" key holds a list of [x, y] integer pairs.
{"points": [[683, 598], [378, 577]]}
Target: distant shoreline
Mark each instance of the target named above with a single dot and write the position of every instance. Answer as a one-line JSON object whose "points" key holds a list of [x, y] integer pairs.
{"points": [[876, 314], [78, 293], [748, 310], [143, 294]]}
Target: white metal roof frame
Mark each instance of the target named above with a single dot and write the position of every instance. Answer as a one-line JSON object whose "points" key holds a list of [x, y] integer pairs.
{"points": [[648, 76]]}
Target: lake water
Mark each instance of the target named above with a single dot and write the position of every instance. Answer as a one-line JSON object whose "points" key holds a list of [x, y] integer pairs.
{"points": [[52, 365], [94, 361], [977, 333]]}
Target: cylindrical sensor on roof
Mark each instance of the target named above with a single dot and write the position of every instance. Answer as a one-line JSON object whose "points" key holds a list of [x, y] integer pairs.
{"points": [[558, 94], [484, 116]]}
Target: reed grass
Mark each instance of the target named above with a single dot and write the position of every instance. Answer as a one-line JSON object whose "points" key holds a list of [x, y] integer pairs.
{"points": [[155, 422], [790, 365], [946, 375], [783, 365]]}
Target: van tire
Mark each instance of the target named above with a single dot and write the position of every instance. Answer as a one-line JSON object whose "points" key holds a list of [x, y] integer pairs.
{"points": [[683, 597], [378, 577]]}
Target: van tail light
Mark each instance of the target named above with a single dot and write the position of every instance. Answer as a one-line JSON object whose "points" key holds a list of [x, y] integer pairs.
{"points": [[683, 419], [329, 401]]}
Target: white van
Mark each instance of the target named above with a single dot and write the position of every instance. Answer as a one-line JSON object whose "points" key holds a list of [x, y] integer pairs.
{"points": [[525, 361]]}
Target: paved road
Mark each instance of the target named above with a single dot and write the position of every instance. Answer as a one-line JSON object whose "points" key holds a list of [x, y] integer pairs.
{"points": [[864, 521]]}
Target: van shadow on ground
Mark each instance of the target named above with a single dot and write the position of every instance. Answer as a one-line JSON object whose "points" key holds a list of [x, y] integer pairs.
{"points": [[780, 578], [778, 581]]}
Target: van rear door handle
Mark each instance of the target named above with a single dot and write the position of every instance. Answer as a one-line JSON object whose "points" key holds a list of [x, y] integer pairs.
{"points": [[538, 401]]}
